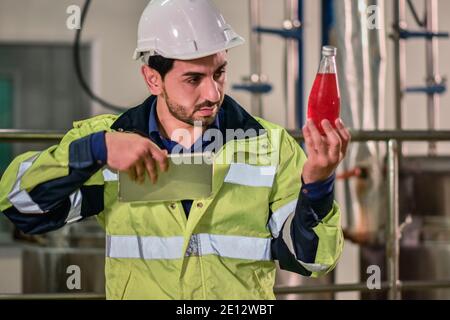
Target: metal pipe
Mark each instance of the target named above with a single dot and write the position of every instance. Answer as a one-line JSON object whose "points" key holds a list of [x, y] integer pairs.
{"points": [[424, 285], [53, 296], [400, 135], [300, 107], [255, 56], [393, 236], [362, 287], [20, 135], [432, 67], [292, 65], [399, 62]]}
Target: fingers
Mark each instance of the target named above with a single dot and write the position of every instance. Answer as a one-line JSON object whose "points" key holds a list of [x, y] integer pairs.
{"points": [[151, 169], [316, 137], [334, 141], [344, 134], [137, 172], [149, 155], [136, 155], [140, 172], [132, 173], [308, 140], [160, 156]]}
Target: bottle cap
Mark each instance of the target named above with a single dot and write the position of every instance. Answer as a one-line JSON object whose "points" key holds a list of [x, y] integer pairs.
{"points": [[329, 51]]}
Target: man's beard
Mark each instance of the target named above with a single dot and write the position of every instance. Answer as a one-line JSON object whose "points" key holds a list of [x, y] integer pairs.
{"points": [[179, 112]]}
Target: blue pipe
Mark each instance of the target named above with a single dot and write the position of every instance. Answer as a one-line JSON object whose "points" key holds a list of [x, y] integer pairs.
{"points": [[294, 33], [437, 89], [262, 88], [327, 20], [407, 34]]}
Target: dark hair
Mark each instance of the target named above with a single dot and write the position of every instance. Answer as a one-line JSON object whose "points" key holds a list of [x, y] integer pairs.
{"points": [[161, 64]]}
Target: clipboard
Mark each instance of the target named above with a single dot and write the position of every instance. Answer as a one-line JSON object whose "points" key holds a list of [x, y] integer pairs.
{"points": [[190, 176]]}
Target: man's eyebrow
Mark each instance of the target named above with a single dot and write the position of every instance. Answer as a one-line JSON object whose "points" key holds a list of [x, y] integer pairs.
{"points": [[199, 74], [222, 66]]}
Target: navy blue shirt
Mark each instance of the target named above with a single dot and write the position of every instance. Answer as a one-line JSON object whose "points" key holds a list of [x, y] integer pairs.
{"points": [[169, 145]]}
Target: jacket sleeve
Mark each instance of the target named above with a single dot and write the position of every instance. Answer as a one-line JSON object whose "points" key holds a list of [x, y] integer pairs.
{"points": [[43, 191], [307, 233]]}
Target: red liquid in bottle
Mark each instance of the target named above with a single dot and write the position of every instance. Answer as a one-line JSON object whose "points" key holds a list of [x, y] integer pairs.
{"points": [[324, 100]]}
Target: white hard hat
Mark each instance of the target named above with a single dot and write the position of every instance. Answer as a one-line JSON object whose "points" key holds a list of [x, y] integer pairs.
{"points": [[183, 30]]}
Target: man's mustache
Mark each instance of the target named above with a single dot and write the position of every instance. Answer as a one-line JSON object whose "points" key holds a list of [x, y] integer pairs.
{"points": [[206, 104]]}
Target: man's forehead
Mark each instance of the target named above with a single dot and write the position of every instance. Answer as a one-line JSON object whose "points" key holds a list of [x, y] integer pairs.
{"points": [[209, 63]]}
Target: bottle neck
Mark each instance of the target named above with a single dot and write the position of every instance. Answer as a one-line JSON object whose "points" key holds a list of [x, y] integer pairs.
{"points": [[328, 65]]}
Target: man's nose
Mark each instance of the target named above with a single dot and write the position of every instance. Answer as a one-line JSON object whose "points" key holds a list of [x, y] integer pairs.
{"points": [[211, 91]]}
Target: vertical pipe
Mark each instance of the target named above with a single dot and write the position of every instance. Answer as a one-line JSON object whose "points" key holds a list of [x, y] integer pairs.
{"points": [[292, 65], [255, 56], [327, 21], [433, 77], [393, 243], [300, 71], [400, 62]]}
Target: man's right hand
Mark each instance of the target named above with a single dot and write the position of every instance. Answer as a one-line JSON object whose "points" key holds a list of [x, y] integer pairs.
{"points": [[135, 155]]}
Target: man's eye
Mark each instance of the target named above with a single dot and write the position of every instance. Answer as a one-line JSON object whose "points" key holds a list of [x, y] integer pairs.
{"points": [[193, 80], [219, 74]]}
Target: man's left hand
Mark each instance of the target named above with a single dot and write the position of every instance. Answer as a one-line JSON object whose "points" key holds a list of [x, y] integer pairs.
{"points": [[324, 152]]}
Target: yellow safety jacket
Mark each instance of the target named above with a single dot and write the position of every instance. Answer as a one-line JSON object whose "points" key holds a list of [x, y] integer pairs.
{"points": [[227, 247]]}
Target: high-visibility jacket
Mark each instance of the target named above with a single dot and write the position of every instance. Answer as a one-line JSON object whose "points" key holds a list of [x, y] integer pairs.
{"points": [[225, 249]]}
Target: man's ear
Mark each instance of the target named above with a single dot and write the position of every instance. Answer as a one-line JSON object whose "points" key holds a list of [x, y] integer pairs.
{"points": [[152, 79]]}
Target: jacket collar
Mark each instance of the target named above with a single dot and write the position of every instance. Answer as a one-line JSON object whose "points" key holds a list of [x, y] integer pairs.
{"points": [[233, 117]]}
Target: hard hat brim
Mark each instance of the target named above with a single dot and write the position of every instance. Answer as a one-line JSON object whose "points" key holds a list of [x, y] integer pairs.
{"points": [[237, 41]]}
